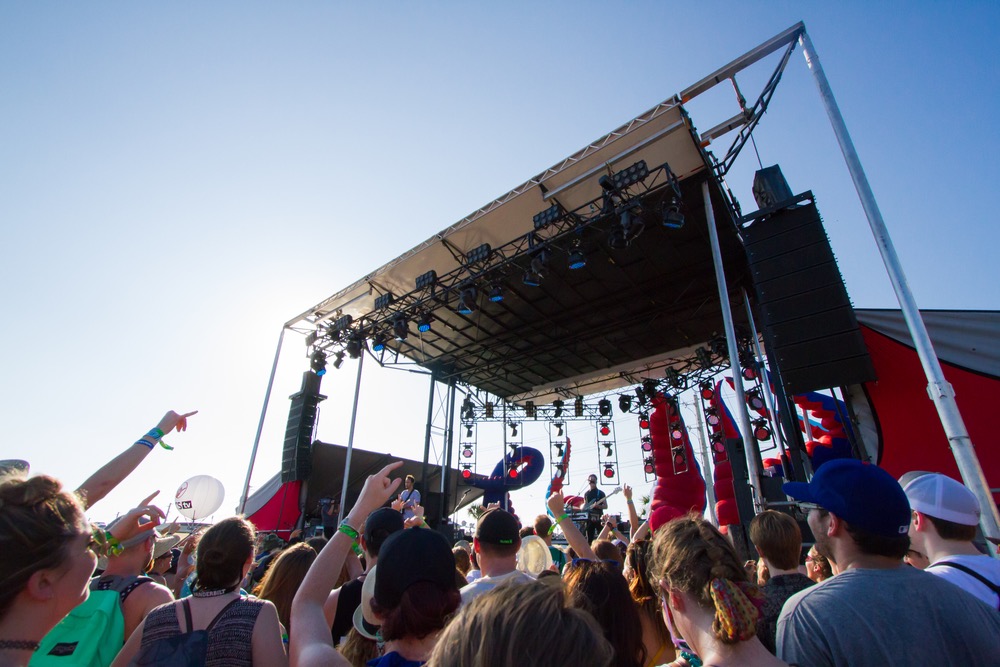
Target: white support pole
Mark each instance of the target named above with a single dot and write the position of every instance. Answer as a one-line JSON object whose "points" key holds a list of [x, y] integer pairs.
{"points": [[938, 388], [350, 442], [260, 423], [750, 450]]}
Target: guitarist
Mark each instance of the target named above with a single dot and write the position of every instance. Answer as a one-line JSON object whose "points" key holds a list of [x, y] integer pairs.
{"points": [[595, 502]]}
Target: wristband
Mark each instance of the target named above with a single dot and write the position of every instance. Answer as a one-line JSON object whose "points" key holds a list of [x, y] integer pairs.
{"points": [[346, 529], [114, 547], [629, 502], [155, 433], [143, 441], [552, 528]]}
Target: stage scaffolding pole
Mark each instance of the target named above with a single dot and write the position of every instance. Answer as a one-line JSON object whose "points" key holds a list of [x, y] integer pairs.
{"points": [[260, 423], [750, 449], [350, 442], [427, 437], [706, 459], [938, 388]]}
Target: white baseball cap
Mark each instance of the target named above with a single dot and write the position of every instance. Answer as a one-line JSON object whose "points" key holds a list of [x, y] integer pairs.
{"points": [[942, 497]]}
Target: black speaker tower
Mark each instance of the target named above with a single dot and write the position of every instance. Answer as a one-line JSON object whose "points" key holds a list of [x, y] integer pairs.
{"points": [[296, 456]]}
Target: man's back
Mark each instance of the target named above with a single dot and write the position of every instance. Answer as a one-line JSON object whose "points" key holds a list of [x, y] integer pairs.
{"points": [[899, 616], [985, 566]]}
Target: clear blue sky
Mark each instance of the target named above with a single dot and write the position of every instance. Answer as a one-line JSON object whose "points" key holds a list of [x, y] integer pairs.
{"points": [[180, 179]]}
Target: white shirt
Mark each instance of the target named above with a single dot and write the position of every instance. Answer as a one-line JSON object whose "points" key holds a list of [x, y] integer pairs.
{"points": [[985, 566], [485, 584]]}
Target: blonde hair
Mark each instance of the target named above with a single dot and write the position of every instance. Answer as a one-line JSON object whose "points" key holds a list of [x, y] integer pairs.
{"points": [[519, 624], [358, 649], [283, 577], [691, 555]]}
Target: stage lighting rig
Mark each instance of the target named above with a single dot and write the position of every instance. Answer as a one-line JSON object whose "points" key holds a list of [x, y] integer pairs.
{"points": [[338, 359], [578, 406], [673, 218], [577, 258], [342, 323], [604, 407], [704, 357], [480, 254], [529, 409], [707, 391], [428, 279], [625, 178], [547, 217], [539, 266], [624, 402], [400, 327], [650, 387], [761, 432], [355, 345], [424, 323], [675, 379], [383, 300], [467, 301], [378, 342], [317, 362], [496, 293], [558, 405]]}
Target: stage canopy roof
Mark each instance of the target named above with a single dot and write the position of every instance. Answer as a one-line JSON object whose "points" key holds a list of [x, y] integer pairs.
{"points": [[629, 312]]}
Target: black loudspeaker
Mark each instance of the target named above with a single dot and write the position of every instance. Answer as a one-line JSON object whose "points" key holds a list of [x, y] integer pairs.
{"points": [[296, 456], [431, 500], [808, 322]]}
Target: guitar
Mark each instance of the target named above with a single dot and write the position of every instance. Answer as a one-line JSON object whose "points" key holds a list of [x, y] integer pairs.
{"points": [[600, 503]]}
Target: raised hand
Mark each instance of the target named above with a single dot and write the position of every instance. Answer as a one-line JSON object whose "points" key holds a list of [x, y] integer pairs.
{"points": [[132, 524], [627, 491], [556, 504], [172, 420], [377, 490]]}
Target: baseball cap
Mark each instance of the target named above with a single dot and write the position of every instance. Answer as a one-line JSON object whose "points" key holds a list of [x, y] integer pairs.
{"points": [[497, 526], [364, 620], [409, 557], [861, 494], [942, 497], [380, 524]]}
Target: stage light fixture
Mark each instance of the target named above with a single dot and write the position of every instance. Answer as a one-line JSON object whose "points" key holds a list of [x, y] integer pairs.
{"points": [[578, 406], [559, 449], [629, 227], [672, 216], [338, 359], [718, 441], [712, 417], [467, 408], [488, 410], [496, 293], [466, 471], [342, 323], [513, 429], [650, 387], [558, 405], [755, 399], [704, 358], [675, 379], [513, 473], [383, 300], [547, 217], [719, 347], [539, 265], [378, 342], [604, 406], [424, 323], [427, 279], [760, 430], [610, 446], [468, 430], [355, 345], [400, 328], [609, 470], [644, 420], [480, 254], [677, 433], [559, 429], [529, 409], [467, 301], [648, 467], [640, 395], [560, 471], [629, 176], [317, 362], [707, 391], [624, 403], [577, 258], [647, 443], [467, 453], [605, 428]]}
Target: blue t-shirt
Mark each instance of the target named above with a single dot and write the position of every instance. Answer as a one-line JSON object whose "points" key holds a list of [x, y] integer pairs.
{"points": [[393, 659]]}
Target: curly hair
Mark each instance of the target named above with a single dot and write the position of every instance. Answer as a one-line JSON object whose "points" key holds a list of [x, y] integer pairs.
{"points": [[691, 555], [37, 520]]}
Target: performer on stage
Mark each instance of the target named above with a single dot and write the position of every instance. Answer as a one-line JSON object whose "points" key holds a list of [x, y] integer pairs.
{"points": [[409, 496], [595, 502]]}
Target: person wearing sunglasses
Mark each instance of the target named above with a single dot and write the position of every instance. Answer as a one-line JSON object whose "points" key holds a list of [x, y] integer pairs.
{"points": [[876, 611]]}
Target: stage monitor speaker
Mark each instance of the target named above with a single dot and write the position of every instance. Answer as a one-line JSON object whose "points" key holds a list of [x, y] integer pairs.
{"points": [[808, 322], [296, 455], [431, 500]]}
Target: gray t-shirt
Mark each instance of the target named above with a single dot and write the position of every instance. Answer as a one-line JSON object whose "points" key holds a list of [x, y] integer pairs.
{"points": [[880, 618]]}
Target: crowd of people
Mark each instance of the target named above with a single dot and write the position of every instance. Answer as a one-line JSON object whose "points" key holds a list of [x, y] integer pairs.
{"points": [[383, 589]]}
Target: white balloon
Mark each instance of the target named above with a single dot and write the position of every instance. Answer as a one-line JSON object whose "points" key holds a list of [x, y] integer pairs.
{"points": [[199, 497]]}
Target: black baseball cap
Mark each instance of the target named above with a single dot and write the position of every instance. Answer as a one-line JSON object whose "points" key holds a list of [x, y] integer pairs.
{"points": [[497, 526], [409, 557], [381, 523]]}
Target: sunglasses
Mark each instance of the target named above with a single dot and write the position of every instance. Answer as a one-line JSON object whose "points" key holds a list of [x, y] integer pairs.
{"points": [[801, 510]]}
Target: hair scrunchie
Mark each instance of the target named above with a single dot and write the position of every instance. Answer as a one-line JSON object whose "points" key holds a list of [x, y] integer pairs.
{"points": [[737, 609]]}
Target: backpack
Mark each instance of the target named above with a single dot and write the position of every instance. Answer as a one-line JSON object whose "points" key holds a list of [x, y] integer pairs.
{"points": [[188, 649], [93, 633]]}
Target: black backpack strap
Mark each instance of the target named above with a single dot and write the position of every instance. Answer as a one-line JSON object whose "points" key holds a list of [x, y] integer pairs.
{"points": [[187, 615], [972, 573], [221, 614], [139, 581]]}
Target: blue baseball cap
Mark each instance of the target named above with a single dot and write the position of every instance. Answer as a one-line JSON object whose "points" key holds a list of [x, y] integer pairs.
{"points": [[861, 494]]}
